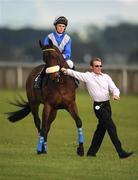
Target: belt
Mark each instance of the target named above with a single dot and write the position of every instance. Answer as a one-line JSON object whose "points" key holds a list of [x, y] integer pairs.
{"points": [[102, 102], [97, 105]]}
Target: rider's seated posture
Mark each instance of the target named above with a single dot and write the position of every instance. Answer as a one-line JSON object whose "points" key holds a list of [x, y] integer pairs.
{"points": [[60, 39]]}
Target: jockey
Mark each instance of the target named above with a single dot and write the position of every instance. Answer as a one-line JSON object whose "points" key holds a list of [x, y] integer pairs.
{"points": [[60, 39]]}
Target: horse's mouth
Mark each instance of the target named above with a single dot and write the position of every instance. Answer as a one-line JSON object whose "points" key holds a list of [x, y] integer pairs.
{"points": [[57, 80], [55, 77]]}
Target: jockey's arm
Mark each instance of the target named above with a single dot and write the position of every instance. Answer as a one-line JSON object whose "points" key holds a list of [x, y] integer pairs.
{"points": [[46, 40], [67, 50]]}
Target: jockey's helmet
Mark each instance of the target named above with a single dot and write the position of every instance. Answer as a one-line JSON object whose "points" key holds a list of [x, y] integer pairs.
{"points": [[61, 20]]}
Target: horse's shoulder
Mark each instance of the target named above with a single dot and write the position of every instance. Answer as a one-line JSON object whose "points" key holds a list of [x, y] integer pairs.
{"points": [[37, 69], [39, 66]]}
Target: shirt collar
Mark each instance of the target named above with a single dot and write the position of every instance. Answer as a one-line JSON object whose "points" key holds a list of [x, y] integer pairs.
{"points": [[97, 74], [59, 35]]}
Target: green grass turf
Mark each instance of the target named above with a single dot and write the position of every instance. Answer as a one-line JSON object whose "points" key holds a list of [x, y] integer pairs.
{"points": [[18, 143]]}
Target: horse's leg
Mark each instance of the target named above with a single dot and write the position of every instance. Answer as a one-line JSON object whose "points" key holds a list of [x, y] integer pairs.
{"points": [[48, 116], [51, 118], [35, 113], [73, 110]]}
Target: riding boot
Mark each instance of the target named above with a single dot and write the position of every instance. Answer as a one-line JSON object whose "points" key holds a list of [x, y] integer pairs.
{"points": [[76, 80], [39, 78], [38, 81]]}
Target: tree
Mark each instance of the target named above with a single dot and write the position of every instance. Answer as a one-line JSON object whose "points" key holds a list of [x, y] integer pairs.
{"points": [[133, 57]]}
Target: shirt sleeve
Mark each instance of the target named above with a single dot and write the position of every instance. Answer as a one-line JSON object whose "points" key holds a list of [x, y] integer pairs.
{"points": [[78, 75], [112, 87], [67, 50]]}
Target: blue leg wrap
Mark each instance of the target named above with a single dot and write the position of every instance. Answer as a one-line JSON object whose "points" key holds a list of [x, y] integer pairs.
{"points": [[44, 145], [80, 136], [40, 144]]}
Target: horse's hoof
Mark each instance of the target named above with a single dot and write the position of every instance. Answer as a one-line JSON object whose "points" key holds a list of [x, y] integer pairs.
{"points": [[80, 151], [44, 152], [39, 152]]}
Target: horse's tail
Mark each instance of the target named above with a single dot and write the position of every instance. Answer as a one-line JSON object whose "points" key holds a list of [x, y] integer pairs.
{"points": [[21, 113]]}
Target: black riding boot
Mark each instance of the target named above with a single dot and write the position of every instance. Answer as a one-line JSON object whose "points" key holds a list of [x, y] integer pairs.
{"points": [[39, 78], [77, 82]]}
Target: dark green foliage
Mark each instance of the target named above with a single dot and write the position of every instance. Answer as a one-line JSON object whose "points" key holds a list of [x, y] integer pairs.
{"points": [[22, 45]]}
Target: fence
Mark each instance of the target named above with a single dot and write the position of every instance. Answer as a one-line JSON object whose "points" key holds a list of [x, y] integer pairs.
{"points": [[14, 76]]}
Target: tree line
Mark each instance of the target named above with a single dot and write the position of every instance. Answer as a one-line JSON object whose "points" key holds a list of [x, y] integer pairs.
{"points": [[114, 44]]}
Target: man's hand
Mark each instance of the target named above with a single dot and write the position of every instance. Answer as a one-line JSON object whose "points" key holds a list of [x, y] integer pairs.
{"points": [[114, 97], [64, 70]]}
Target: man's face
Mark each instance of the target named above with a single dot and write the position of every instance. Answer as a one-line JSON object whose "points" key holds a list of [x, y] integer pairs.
{"points": [[60, 28], [97, 67]]}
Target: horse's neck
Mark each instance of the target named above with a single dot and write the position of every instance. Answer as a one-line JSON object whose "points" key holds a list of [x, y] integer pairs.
{"points": [[62, 59], [65, 79], [63, 63]]}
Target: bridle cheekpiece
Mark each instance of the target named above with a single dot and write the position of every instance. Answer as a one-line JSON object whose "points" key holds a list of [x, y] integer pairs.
{"points": [[52, 69]]}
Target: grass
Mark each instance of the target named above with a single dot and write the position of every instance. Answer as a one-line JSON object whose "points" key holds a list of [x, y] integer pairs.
{"points": [[18, 142]]}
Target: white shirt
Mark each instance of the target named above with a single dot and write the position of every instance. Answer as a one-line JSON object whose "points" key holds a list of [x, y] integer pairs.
{"points": [[99, 85]]}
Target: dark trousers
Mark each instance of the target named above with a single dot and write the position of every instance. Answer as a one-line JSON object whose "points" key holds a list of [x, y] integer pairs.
{"points": [[105, 122]]}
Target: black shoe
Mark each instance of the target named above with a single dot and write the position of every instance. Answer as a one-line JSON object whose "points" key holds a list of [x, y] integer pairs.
{"points": [[90, 153], [125, 154], [77, 82]]}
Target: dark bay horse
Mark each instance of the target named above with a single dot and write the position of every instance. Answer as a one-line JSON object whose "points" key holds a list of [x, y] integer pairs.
{"points": [[57, 93]]}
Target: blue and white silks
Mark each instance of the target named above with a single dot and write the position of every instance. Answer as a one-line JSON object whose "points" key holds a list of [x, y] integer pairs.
{"points": [[62, 41]]}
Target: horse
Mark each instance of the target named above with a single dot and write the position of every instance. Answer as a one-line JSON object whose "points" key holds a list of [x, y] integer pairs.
{"points": [[58, 92]]}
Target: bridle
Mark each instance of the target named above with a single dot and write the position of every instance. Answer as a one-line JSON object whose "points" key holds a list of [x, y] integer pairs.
{"points": [[49, 49], [52, 69]]}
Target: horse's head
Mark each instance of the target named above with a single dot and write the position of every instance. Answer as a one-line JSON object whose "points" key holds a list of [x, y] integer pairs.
{"points": [[53, 60]]}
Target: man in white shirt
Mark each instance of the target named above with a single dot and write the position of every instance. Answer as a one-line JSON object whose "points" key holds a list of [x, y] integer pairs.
{"points": [[99, 86]]}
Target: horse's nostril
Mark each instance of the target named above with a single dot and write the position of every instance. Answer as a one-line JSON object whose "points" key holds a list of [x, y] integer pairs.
{"points": [[57, 75], [57, 79]]}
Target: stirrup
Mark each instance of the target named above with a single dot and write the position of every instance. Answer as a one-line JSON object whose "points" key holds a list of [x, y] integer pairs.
{"points": [[36, 86], [37, 82]]}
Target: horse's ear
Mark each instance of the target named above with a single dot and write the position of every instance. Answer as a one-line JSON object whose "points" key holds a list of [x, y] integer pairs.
{"points": [[41, 44], [50, 43]]}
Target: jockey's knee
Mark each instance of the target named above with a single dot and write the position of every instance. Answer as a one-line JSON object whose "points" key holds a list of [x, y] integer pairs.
{"points": [[70, 63]]}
